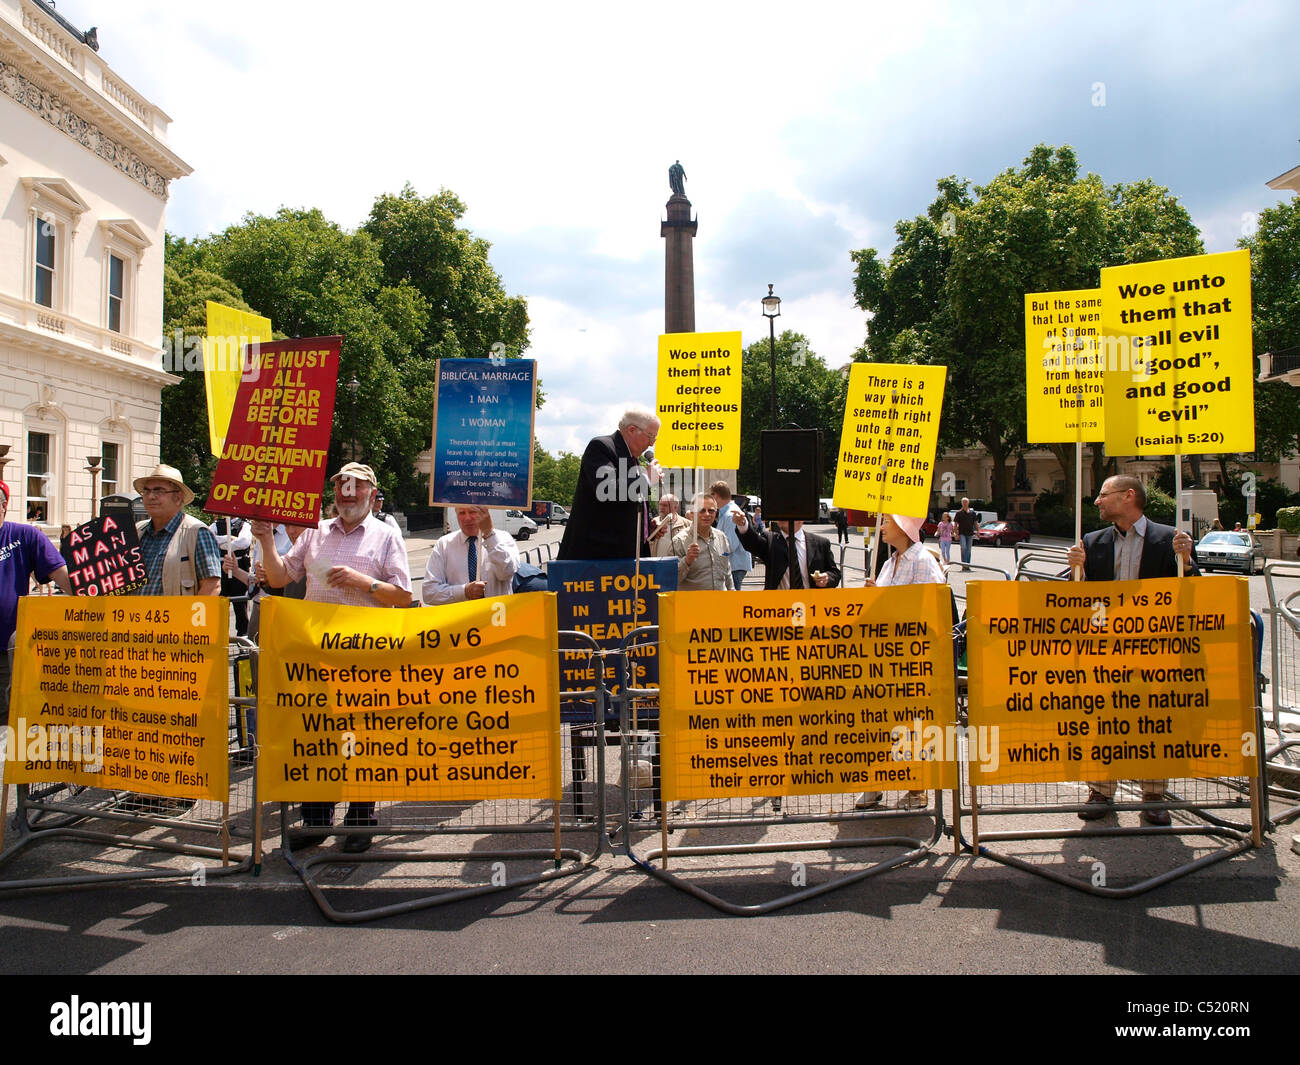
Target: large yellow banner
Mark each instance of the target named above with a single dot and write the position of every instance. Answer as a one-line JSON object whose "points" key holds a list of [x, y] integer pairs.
{"points": [[1177, 343], [1063, 382], [891, 428], [229, 331], [451, 703], [124, 693], [1112, 680], [807, 692], [699, 400]]}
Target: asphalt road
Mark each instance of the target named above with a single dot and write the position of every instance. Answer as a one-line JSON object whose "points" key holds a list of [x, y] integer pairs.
{"points": [[945, 914]]}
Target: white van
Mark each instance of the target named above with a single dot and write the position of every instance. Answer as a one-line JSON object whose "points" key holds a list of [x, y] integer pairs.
{"points": [[515, 522]]}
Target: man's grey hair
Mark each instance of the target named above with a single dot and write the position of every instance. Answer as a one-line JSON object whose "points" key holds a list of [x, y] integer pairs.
{"points": [[641, 416]]}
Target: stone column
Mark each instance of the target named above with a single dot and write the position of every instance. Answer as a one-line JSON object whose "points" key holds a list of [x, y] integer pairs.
{"points": [[679, 266]]}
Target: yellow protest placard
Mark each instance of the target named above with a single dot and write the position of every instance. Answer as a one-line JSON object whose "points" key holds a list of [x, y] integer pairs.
{"points": [[1063, 382], [122, 693], [1176, 341], [1112, 680], [891, 429], [454, 703], [229, 331], [806, 692], [699, 400]]}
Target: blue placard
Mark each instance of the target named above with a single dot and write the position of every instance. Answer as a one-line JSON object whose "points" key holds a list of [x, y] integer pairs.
{"points": [[598, 598], [483, 432]]}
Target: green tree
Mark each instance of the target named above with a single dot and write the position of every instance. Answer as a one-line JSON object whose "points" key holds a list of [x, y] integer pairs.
{"points": [[555, 477], [1275, 297], [186, 289], [421, 244], [809, 395], [312, 278], [952, 292]]}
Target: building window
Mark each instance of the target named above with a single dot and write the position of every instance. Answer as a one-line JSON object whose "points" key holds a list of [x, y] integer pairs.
{"points": [[108, 481], [39, 468], [124, 249], [54, 210], [46, 237], [116, 292]]}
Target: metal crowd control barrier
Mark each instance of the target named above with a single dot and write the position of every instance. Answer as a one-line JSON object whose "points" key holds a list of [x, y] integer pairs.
{"points": [[582, 810], [754, 825], [1186, 798], [1283, 758], [118, 819], [1041, 563]]}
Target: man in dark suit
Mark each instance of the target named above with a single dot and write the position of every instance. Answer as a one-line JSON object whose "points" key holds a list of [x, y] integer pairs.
{"points": [[1133, 548], [612, 499], [816, 567]]}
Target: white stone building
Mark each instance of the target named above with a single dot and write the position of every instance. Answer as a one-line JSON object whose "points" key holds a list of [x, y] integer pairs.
{"points": [[84, 173]]}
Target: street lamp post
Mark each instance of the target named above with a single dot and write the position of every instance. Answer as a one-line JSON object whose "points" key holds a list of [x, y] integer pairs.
{"points": [[93, 468], [352, 387], [772, 311]]}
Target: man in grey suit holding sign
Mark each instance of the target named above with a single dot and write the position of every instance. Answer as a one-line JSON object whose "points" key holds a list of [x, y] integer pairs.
{"points": [[1133, 548]]}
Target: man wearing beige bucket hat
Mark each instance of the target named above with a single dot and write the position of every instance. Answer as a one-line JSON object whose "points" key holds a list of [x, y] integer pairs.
{"points": [[180, 553]]}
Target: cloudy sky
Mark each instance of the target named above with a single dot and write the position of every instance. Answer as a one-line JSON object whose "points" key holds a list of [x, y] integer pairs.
{"points": [[805, 133]]}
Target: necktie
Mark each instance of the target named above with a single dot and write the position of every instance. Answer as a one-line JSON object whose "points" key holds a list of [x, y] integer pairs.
{"points": [[473, 558], [796, 570]]}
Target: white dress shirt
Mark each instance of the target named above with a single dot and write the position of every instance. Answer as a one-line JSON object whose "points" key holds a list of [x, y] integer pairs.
{"points": [[447, 573], [1128, 550]]}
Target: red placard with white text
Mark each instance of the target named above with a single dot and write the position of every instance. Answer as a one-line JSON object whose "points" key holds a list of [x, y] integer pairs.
{"points": [[272, 463]]}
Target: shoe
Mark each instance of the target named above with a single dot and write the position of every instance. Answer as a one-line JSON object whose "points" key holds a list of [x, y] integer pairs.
{"points": [[913, 800], [1099, 806], [358, 844], [1160, 818], [310, 839], [868, 799]]}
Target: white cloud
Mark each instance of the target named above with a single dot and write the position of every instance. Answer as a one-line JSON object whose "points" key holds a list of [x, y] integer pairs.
{"points": [[805, 133]]}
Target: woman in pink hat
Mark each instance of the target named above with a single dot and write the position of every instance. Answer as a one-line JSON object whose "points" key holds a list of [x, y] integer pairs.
{"points": [[910, 563]]}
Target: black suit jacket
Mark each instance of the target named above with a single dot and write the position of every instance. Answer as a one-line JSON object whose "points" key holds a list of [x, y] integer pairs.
{"points": [[612, 493], [1158, 558], [775, 549]]}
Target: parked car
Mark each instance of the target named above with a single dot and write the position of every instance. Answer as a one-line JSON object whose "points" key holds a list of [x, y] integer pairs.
{"points": [[1001, 533], [559, 515], [515, 522], [1237, 551]]}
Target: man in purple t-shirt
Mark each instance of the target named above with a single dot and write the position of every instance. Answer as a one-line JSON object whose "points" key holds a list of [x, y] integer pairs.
{"points": [[25, 552]]}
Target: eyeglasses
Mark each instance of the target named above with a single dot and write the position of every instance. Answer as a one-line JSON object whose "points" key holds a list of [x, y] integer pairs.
{"points": [[1113, 492], [159, 491], [645, 432]]}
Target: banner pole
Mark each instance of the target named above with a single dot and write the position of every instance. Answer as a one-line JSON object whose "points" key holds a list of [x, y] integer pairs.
{"points": [[4, 810], [1178, 502], [1077, 573]]}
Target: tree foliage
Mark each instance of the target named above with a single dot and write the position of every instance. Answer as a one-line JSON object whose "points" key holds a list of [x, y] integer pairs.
{"points": [[952, 291], [407, 288], [186, 289], [809, 395], [421, 244], [1275, 297], [555, 477]]}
